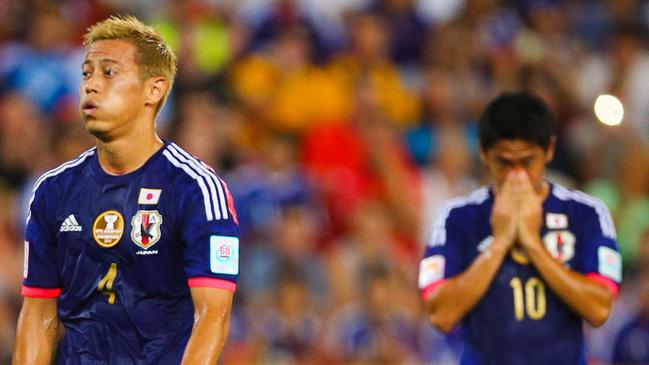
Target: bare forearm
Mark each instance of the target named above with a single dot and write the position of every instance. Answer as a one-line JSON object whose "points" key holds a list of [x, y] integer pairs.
{"points": [[36, 336], [587, 298], [211, 322], [455, 298], [207, 340]]}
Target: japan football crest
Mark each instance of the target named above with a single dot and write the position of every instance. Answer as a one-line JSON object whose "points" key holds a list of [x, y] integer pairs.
{"points": [[560, 244], [146, 228]]}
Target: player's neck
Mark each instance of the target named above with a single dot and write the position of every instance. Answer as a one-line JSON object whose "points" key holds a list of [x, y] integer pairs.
{"points": [[124, 155]]}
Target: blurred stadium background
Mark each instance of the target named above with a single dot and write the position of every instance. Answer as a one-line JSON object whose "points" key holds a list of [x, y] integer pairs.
{"points": [[340, 126]]}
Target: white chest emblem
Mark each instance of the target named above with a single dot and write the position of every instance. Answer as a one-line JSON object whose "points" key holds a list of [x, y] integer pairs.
{"points": [[560, 244], [149, 196], [70, 224], [146, 228], [556, 221]]}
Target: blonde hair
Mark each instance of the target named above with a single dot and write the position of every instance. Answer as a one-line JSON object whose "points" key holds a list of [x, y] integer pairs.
{"points": [[153, 56]]}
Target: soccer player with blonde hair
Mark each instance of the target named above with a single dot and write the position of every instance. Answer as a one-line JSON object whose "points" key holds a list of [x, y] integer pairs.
{"points": [[131, 249]]}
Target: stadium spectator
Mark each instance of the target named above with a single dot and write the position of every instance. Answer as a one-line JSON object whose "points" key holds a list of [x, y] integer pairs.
{"points": [[371, 329], [42, 68], [440, 94], [367, 57], [271, 180], [287, 92], [448, 175], [199, 34], [292, 328], [363, 159]]}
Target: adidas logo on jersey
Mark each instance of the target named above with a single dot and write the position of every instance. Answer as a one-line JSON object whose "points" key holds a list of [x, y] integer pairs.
{"points": [[70, 224]]}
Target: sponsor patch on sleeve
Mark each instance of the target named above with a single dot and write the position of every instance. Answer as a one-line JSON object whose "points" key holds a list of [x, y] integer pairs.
{"points": [[431, 269], [224, 255], [609, 263]]}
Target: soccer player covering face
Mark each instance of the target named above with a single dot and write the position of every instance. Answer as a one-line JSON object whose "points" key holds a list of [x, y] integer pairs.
{"points": [[519, 265], [132, 249]]}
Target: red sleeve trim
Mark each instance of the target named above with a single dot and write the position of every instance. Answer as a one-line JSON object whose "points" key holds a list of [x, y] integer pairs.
{"points": [[607, 282], [32, 292], [212, 283], [431, 288]]}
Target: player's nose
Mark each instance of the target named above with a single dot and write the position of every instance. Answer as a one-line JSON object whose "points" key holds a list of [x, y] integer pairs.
{"points": [[515, 168], [90, 84]]}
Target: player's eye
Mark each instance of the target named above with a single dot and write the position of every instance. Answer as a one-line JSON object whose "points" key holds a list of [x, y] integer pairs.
{"points": [[109, 72], [527, 162], [85, 74], [504, 162]]}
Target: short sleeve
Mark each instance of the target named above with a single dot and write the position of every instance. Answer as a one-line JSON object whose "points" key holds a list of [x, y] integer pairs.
{"points": [[41, 277], [443, 255], [211, 231], [599, 255]]}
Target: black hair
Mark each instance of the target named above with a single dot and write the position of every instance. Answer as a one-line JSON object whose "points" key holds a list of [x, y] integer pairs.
{"points": [[516, 115], [629, 29]]}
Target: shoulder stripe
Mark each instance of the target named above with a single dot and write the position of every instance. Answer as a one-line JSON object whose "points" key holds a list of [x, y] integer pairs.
{"points": [[55, 171], [59, 169], [206, 199], [605, 219], [220, 204], [210, 183], [222, 196], [438, 236]]}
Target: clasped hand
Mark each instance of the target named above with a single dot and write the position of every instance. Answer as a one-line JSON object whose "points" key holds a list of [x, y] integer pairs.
{"points": [[517, 211]]}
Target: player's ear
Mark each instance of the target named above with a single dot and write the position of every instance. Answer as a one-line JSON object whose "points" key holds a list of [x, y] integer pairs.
{"points": [[156, 89], [483, 155], [549, 154]]}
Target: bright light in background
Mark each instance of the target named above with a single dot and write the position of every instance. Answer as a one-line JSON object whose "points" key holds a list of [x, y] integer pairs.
{"points": [[609, 109]]}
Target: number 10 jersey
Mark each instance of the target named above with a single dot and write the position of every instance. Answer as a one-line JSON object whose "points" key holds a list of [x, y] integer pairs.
{"points": [[520, 320]]}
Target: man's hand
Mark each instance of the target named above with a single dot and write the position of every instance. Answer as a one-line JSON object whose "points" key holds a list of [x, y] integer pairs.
{"points": [[450, 302], [530, 212], [504, 214], [590, 299]]}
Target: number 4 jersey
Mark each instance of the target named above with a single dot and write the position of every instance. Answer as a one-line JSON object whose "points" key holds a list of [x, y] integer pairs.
{"points": [[520, 320], [121, 253]]}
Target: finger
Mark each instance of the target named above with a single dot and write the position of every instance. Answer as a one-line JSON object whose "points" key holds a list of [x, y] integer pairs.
{"points": [[524, 177], [526, 186], [507, 184], [517, 182]]}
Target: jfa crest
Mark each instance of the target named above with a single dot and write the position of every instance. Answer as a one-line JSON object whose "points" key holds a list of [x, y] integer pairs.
{"points": [[146, 228], [560, 244]]}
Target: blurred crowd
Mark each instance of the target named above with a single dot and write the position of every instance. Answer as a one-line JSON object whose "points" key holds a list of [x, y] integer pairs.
{"points": [[340, 126]]}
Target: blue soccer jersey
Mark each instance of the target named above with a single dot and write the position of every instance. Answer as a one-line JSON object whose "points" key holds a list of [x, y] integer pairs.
{"points": [[122, 252], [520, 320]]}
